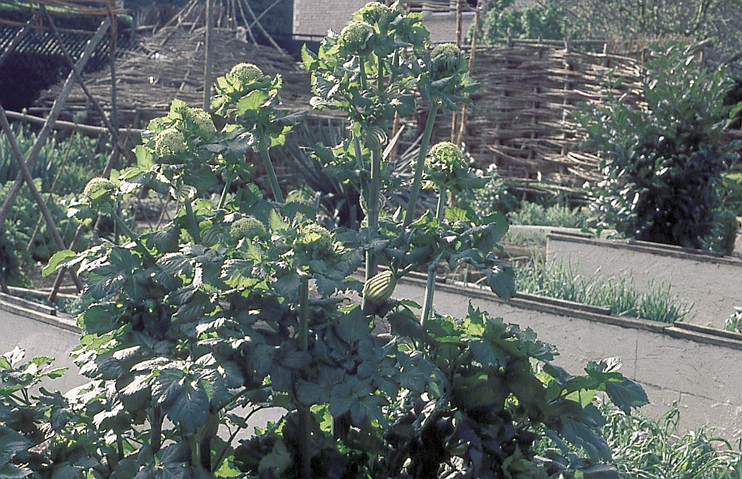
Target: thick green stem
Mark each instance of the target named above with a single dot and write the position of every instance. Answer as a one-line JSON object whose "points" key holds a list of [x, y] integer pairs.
{"points": [[156, 429], [441, 207], [275, 187], [417, 181], [429, 292], [192, 223], [304, 412], [433, 266], [362, 69], [304, 314], [133, 236], [373, 209], [225, 192]]}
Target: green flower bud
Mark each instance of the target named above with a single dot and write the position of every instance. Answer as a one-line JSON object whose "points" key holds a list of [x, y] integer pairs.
{"points": [[315, 238], [373, 12], [379, 288], [245, 73], [101, 194], [203, 122], [248, 227], [355, 36], [447, 60], [445, 163], [169, 142]]}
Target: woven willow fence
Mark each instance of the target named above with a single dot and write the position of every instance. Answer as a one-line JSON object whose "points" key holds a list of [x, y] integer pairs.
{"points": [[518, 120]]}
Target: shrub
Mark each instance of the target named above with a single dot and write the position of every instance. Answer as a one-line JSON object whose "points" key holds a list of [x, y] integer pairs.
{"points": [[662, 161]]}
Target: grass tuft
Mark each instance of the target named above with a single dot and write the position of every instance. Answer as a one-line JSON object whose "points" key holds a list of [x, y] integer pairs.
{"points": [[621, 296]]}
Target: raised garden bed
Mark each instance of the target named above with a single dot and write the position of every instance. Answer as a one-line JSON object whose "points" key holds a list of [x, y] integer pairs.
{"points": [[710, 281]]}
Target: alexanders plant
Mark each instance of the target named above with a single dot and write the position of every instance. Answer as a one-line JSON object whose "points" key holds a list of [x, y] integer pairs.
{"points": [[240, 303]]}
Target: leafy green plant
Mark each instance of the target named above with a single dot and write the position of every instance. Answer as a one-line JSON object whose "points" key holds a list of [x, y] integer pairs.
{"points": [[493, 197], [64, 163], [241, 303], [554, 215], [537, 21], [644, 448], [734, 322], [558, 281], [662, 161]]}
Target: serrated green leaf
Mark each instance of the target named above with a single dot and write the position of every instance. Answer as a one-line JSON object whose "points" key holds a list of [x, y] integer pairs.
{"points": [[56, 261], [252, 101], [626, 395], [145, 160]]}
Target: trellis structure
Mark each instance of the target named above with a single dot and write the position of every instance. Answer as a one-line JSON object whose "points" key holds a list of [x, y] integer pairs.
{"points": [[106, 9]]}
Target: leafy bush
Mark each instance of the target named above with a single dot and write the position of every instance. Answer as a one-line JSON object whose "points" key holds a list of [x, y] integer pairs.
{"points": [[663, 161], [528, 22], [493, 197], [189, 326], [67, 162]]}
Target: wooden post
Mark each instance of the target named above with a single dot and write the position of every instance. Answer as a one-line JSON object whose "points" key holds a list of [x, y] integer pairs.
{"points": [[111, 127], [19, 37], [208, 53], [472, 56]]}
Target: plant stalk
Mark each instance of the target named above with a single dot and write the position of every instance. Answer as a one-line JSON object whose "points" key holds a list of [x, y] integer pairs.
{"points": [[225, 192], [192, 223], [433, 266], [275, 187], [416, 182], [373, 209], [133, 236], [304, 412]]}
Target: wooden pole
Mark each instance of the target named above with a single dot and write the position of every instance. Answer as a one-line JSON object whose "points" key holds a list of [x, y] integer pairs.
{"points": [[472, 55], [112, 128], [208, 53], [19, 37]]}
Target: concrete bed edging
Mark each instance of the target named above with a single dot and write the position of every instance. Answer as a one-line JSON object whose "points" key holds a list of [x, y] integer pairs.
{"points": [[694, 366]]}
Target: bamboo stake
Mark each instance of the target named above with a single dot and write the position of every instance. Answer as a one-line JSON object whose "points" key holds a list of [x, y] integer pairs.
{"points": [[260, 26], [112, 128], [19, 37]]}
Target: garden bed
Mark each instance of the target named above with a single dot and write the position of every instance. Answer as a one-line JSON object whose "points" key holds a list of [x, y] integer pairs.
{"points": [[709, 281]]}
